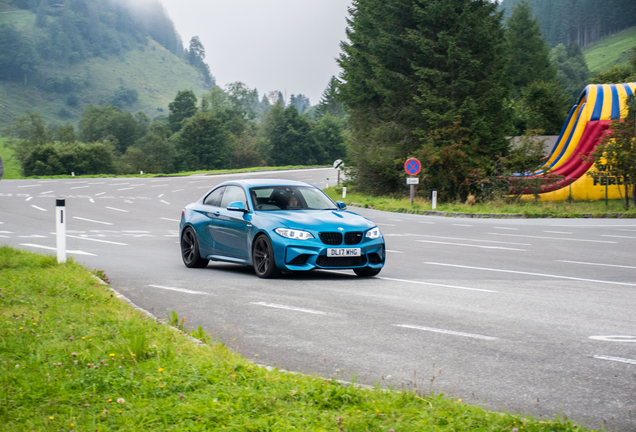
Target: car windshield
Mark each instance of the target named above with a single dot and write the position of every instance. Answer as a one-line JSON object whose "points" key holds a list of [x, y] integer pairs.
{"points": [[271, 198]]}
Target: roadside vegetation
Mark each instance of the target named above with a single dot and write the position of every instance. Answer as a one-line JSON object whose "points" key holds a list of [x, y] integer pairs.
{"points": [[505, 206], [75, 357]]}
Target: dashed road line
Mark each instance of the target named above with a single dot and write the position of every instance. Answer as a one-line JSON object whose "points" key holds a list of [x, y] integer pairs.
{"points": [[471, 245], [33, 236], [435, 284], [183, 290], [473, 240], [426, 222], [160, 195], [552, 238], [450, 332], [47, 192], [296, 309], [38, 208], [91, 220], [119, 210], [393, 251], [97, 240], [557, 232], [29, 199], [615, 236], [165, 202], [615, 359], [464, 225], [171, 220], [80, 187], [33, 185], [597, 264], [76, 252], [506, 228], [128, 188], [161, 185], [101, 193], [178, 190], [531, 274], [614, 338]]}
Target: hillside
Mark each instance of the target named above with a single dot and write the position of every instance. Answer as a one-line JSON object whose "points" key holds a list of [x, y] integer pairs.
{"points": [[616, 49], [138, 74]]}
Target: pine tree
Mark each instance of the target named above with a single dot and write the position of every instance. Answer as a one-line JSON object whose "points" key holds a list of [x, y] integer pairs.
{"points": [[329, 104], [183, 107], [412, 67]]}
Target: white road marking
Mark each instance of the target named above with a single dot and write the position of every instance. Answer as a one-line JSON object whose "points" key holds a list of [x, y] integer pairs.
{"points": [[160, 195], [597, 264], [97, 240], [125, 188], [171, 220], [183, 290], [97, 183], [101, 193], [615, 359], [197, 181], [29, 199], [435, 284], [158, 180], [532, 274], [624, 237], [384, 224], [424, 222], [5, 232], [47, 192], [92, 200], [80, 187], [33, 185], [76, 182], [4, 236], [178, 190], [614, 338], [116, 209], [159, 185], [462, 225], [165, 202], [76, 252], [451, 332], [626, 230], [136, 232], [33, 236], [505, 228], [557, 232], [91, 220], [38, 208], [397, 220], [552, 238], [277, 306], [471, 245], [47, 181], [473, 240], [118, 184], [392, 251]]}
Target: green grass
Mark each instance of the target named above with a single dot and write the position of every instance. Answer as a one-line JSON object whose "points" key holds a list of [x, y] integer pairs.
{"points": [[527, 209], [74, 357], [155, 73], [610, 51], [11, 165]]}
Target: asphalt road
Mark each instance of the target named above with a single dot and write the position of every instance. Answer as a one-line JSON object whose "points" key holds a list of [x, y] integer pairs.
{"points": [[530, 316]]}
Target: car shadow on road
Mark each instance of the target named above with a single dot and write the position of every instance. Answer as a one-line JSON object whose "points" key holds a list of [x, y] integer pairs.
{"points": [[312, 275]]}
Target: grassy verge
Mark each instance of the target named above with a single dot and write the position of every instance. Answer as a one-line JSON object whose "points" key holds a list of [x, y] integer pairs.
{"points": [[527, 209], [11, 165], [73, 357], [616, 49]]}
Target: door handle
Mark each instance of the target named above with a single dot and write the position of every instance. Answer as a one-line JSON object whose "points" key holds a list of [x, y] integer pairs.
{"points": [[216, 213]]}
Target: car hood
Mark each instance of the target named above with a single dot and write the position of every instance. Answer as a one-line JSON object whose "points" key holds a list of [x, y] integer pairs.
{"points": [[318, 220]]}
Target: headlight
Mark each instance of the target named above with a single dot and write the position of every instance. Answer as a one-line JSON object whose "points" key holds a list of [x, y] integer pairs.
{"points": [[294, 234], [374, 233]]}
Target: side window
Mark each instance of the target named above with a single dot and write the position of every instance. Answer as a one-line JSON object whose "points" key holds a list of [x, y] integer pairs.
{"points": [[233, 193], [214, 199]]}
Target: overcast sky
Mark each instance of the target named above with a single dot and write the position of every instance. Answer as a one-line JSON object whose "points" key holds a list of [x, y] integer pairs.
{"points": [[286, 45]]}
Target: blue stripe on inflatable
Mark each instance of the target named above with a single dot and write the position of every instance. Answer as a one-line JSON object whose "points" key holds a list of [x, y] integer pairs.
{"points": [[628, 90], [598, 107], [616, 106], [565, 126], [569, 138]]}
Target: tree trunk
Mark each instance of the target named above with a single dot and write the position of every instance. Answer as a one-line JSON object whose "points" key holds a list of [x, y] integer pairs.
{"points": [[626, 184]]}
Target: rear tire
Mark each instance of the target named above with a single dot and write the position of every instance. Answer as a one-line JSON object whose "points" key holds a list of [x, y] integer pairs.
{"points": [[190, 250], [263, 258], [367, 271]]}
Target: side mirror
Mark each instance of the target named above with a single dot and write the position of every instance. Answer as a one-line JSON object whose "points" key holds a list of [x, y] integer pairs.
{"points": [[237, 206], [341, 205]]}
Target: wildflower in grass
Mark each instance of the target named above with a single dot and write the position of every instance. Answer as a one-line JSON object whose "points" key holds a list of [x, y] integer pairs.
{"points": [[17, 366], [180, 395], [20, 328], [71, 338], [86, 405], [88, 365], [51, 418], [74, 354], [459, 400], [59, 364], [121, 400], [83, 337], [160, 369], [112, 355], [514, 429]]}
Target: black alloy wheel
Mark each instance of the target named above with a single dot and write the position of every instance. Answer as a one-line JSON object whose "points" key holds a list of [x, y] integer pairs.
{"points": [[367, 271], [263, 258], [190, 250]]}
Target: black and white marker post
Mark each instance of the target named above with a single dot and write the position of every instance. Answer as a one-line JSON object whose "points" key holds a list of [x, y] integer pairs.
{"points": [[60, 230]]}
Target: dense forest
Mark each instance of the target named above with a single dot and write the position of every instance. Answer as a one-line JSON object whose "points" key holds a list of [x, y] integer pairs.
{"points": [[580, 21]]}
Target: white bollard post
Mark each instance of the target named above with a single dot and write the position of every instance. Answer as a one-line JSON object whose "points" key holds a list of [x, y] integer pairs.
{"points": [[73, 174], [60, 229], [327, 181], [344, 191], [434, 199], [141, 172]]}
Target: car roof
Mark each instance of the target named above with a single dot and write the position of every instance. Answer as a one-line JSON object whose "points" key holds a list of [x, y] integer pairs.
{"points": [[249, 183]]}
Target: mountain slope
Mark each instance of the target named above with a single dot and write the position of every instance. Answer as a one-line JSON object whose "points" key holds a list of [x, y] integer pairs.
{"points": [[616, 49], [141, 75]]}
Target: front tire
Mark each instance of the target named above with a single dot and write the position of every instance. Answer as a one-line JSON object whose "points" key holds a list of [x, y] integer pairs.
{"points": [[190, 250], [263, 258], [367, 271]]}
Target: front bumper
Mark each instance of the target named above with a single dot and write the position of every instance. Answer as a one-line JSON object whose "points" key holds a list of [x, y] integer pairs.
{"points": [[304, 255]]}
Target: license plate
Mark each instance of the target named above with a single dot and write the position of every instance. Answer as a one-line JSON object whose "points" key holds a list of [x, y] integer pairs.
{"points": [[343, 252]]}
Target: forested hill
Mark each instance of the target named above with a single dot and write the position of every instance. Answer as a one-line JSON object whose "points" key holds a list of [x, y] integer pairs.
{"points": [[57, 57], [582, 21]]}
